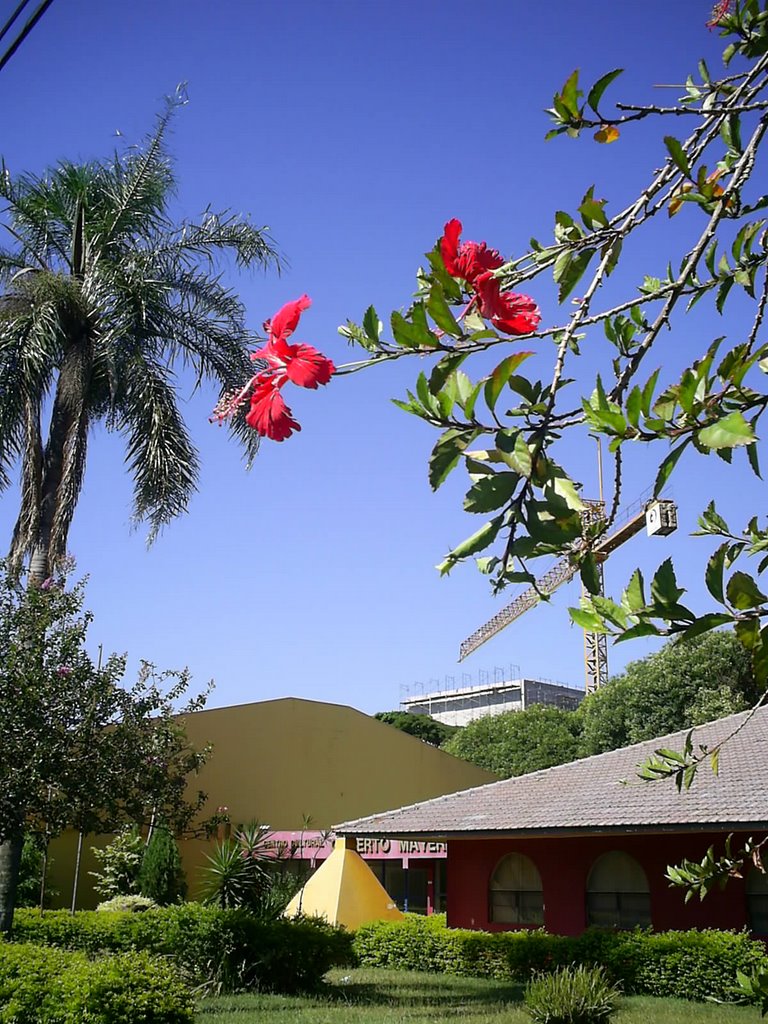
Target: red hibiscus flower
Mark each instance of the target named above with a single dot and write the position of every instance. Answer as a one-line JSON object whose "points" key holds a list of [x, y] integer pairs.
{"points": [[468, 260], [286, 320], [509, 312], [269, 415], [302, 364]]}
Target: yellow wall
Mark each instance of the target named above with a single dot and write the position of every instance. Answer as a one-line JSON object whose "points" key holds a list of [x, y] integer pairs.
{"points": [[280, 761]]}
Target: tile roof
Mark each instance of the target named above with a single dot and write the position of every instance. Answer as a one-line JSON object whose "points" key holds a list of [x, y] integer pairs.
{"points": [[589, 794]]}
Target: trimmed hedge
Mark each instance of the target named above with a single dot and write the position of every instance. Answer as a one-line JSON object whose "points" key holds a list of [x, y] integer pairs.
{"points": [[40, 985], [225, 950], [684, 965]]}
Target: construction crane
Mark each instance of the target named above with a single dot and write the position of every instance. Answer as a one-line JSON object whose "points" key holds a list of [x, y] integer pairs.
{"points": [[659, 517]]}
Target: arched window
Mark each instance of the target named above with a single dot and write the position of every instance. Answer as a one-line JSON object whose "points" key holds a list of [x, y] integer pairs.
{"points": [[757, 901], [617, 893], [515, 895]]}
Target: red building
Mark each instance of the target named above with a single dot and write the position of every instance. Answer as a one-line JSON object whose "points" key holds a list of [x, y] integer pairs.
{"points": [[588, 843]]}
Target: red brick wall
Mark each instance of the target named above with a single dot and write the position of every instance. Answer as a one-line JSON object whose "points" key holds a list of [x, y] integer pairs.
{"points": [[564, 865]]}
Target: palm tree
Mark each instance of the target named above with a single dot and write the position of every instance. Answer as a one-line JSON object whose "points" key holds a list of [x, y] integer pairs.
{"points": [[102, 296]]}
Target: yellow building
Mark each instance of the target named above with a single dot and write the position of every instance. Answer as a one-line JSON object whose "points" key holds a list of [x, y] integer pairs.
{"points": [[299, 766]]}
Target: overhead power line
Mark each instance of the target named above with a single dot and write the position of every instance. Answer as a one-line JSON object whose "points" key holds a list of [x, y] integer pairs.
{"points": [[13, 17], [36, 16]]}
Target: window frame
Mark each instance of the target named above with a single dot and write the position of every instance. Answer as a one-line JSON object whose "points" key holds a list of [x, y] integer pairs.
{"points": [[534, 914]]}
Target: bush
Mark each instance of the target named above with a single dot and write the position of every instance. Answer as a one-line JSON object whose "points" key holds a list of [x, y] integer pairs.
{"points": [[684, 965], [40, 985], [161, 876], [222, 950], [120, 864], [571, 995]]}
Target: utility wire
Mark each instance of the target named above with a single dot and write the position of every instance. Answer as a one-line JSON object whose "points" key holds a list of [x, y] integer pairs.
{"points": [[25, 31], [13, 17]]}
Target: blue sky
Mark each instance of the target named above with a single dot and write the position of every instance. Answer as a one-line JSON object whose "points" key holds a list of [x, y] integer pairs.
{"points": [[354, 130]]}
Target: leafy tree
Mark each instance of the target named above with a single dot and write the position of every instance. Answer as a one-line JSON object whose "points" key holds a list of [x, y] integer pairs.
{"points": [[517, 742], [80, 748], [424, 727], [511, 430], [686, 683], [161, 876], [102, 295]]}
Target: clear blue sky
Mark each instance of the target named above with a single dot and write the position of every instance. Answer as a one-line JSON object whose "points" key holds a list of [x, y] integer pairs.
{"points": [[355, 130]]}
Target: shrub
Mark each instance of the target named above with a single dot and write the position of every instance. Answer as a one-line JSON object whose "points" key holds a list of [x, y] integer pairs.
{"points": [[40, 985], [120, 863], [129, 904], [685, 965], [161, 876], [223, 950], [571, 995]]}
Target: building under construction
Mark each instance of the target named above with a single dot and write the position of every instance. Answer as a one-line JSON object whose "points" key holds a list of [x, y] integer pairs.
{"points": [[457, 707]]}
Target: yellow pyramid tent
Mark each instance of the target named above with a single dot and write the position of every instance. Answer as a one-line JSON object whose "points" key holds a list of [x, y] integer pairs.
{"points": [[344, 891]]}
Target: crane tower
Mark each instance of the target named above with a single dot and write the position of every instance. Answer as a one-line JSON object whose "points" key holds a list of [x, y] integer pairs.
{"points": [[659, 517]]}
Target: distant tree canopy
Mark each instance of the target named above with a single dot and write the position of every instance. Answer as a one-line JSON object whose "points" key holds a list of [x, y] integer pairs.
{"points": [[422, 726], [686, 683], [517, 742]]}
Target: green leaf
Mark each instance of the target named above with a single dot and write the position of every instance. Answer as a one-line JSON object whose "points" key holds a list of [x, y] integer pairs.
{"points": [[477, 542], [405, 333], [729, 432], [500, 376], [641, 629], [587, 620], [742, 592], [711, 521], [634, 406], [441, 313], [666, 467], [634, 596], [445, 368], [713, 576], [676, 151], [648, 389], [427, 399], [570, 93], [705, 623], [566, 489], [597, 90], [664, 588], [372, 324], [491, 492], [520, 458], [447, 453], [591, 577], [752, 455], [569, 269]]}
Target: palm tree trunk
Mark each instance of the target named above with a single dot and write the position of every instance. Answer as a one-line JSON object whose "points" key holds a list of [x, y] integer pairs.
{"points": [[10, 862]]}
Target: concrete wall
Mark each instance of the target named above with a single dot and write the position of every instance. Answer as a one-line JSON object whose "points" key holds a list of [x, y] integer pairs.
{"points": [[282, 761], [564, 865]]}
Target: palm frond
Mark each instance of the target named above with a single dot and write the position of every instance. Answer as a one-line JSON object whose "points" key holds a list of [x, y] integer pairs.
{"points": [[142, 183], [161, 457], [29, 345], [26, 531], [216, 234]]}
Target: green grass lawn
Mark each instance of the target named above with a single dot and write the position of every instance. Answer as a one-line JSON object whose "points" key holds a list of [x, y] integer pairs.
{"points": [[389, 997]]}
